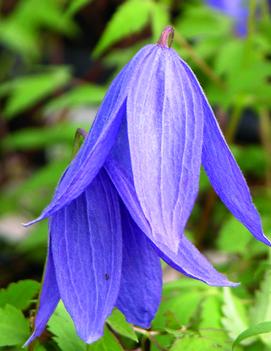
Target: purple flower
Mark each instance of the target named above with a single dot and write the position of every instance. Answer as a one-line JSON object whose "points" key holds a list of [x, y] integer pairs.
{"points": [[123, 202], [237, 9]]}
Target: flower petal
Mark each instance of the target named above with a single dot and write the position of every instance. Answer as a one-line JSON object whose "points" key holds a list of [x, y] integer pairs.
{"points": [[87, 252], [48, 299], [165, 129], [188, 260], [100, 139], [141, 280], [227, 178]]}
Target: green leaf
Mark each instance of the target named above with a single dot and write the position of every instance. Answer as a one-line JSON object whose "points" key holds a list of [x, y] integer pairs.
{"points": [[80, 96], [164, 341], [230, 57], [49, 15], [41, 186], [39, 347], [210, 316], [261, 310], [218, 336], [237, 58], [184, 283], [177, 310], [261, 328], [118, 323], [44, 179], [202, 22], [159, 19], [61, 325], [20, 294], [233, 237], [76, 5], [14, 328], [25, 92], [107, 343], [195, 343], [129, 18], [33, 138], [120, 57], [18, 38], [235, 316]]}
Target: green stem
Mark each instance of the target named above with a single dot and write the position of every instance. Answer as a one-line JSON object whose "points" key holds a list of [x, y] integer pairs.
{"points": [[151, 335], [251, 18], [265, 131], [264, 10], [233, 123], [183, 43], [205, 217], [251, 31]]}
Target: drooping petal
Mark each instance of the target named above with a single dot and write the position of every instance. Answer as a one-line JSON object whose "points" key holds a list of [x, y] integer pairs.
{"points": [[141, 279], [188, 260], [227, 178], [165, 128], [49, 297], [100, 139], [87, 252]]}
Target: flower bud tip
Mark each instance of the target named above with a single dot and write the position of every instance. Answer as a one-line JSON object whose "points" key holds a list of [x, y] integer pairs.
{"points": [[166, 38]]}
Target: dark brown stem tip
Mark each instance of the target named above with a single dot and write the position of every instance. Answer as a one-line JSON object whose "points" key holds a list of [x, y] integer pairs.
{"points": [[166, 38]]}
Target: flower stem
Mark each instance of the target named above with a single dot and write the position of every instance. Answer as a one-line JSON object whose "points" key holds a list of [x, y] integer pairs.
{"points": [[233, 123], [151, 335], [182, 42], [80, 136], [166, 38]]}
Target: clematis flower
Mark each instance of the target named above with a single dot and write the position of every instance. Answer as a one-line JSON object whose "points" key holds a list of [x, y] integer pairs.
{"points": [[237, 9], [123, 202]]}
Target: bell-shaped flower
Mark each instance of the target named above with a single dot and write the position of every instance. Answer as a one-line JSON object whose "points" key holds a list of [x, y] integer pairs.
{"points": [[124, 201]]}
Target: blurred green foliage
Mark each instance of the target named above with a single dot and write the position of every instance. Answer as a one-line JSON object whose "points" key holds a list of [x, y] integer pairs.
{"points": [[43, 98]]}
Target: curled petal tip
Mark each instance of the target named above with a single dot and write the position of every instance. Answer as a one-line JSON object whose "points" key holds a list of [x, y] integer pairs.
{"points": [[92, 338], [235, 285], [226, 283], [25, 344], [266, 241], [166, 38], [28, 224]]}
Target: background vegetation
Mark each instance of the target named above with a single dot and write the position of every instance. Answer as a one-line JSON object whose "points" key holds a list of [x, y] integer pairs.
{"points": [[57, 58]]}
